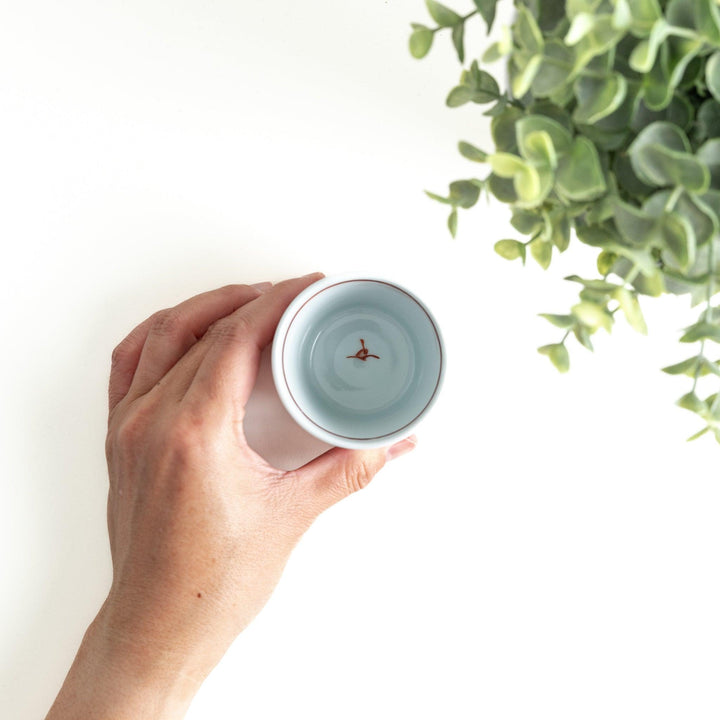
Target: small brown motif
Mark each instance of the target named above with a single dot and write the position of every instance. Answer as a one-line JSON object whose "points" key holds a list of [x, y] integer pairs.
{"points": [[363, 353]]}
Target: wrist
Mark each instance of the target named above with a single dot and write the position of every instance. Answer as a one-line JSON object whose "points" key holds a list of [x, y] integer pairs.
{"points": [[113, 678]]}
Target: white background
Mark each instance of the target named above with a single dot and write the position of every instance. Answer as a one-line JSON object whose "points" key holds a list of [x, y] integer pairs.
{"points": [[551, 547]]}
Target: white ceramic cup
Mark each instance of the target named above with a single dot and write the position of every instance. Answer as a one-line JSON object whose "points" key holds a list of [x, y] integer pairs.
{"points": [[358, 361]]}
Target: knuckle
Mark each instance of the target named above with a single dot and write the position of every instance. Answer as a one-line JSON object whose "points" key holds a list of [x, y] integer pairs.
{"points": [[120, 353], [168, 322], [130, 430], [359, 475], [231, 331]]}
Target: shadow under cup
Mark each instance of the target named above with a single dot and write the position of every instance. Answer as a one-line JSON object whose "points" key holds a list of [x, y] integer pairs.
{"points": [[357, 362]]}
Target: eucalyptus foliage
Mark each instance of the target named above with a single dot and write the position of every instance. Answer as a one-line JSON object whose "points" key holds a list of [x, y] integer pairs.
{"points": [[608, 135]]}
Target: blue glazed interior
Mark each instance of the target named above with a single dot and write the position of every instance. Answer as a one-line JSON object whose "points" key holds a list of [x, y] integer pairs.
{"points": [[330, 366]]}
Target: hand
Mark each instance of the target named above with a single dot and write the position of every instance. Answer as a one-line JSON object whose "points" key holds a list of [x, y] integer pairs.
{"points": [[200, 526]]}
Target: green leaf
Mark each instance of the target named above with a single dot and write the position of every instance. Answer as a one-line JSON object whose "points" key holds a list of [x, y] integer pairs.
{"points": [[696, 366], [503, 129], [526, 222], [678, 238], [583, 336], [622, 17], [707, 20], [522, 81], [471, 152], [464, 193], [712, 75], [643, 56], [561, 232], [458, 35], [631, 308], [486, 8], [452, 221], [690, 401], [564, 322], [510, 249], [708, 119], [502, 188], [559, 135], [602, 286], [698, 434], [438, 198], [602, 38], [686, 367], [475, 86], [458, 96], [634, 224], [537, 147], [556, 69], [644, 15], [592, 315], [443, 16], [598, 97], [701, 331], [579, 174], [605, 261], [558, 355], [501, 48], [506, 164], [526, 180], [526, 31], [541, 252], [660, 155], [581, 25], [421, 41], [709, 154]]}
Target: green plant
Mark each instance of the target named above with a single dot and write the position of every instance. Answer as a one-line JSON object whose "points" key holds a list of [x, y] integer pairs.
{"points": [[608, 135]]}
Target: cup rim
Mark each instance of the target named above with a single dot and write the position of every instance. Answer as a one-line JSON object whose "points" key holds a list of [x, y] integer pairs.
{"points": [[281, 385]]}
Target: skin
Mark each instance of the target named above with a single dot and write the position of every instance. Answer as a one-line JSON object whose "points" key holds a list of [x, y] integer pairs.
{"points": [[200, 526]]}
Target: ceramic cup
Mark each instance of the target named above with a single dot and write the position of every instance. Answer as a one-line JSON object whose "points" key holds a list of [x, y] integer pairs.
{"points": [[358, 361]]}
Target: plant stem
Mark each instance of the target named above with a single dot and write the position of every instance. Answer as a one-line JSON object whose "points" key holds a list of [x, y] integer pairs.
{"points": [[463, 18], [634, 270]]}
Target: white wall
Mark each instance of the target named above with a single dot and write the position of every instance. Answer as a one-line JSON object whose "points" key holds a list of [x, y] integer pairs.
{"points": [[551, 547]]}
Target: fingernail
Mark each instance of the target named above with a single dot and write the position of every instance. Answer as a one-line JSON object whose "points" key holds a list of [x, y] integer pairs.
{"points": [[262, 286], [400, 448], [312, 274]]}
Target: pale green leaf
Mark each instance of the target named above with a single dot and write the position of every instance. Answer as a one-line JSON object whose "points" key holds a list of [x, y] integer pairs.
{"points": [[458, 35], [486, 9], [558, 355], [564, 322], [443, 16], [631, 308], [690, 401], [523, 80], [592, 315], [452, 222], [579, 174], [580, 26], [598, 97], [701, 331], [420, 42], [471, 152], [541, 251], [510, 249]]}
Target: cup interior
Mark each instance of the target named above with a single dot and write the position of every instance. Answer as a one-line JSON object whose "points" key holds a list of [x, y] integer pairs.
{"points": [[361, 359]]}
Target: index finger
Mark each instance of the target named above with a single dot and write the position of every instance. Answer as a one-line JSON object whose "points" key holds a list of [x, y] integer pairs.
{"points": [[229, 367]]}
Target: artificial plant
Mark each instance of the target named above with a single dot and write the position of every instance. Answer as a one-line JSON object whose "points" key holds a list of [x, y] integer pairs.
{"points": [[607, 134]]}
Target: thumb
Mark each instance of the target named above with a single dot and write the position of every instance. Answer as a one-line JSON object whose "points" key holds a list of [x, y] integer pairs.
{"points": [[340, 472]]}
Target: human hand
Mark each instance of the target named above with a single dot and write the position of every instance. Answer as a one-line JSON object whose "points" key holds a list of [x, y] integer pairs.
{"points": [[200, 526]]}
